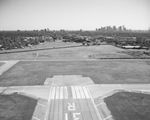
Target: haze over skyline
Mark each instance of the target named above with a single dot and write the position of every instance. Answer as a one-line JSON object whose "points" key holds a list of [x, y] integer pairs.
{"points": [[73, 14]]}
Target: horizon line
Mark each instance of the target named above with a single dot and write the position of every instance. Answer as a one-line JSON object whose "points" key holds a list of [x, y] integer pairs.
{"points": [[71, 30]]}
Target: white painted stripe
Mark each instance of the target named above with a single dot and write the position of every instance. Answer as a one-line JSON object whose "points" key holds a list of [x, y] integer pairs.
{"points": [[53, 93], [57, 92], [81, 92], [61, 92], [48, 104], [100, 104], [73, 92], [107, 117], [66, 93], [77, 91], [42, 105], [35, 118], [85, 92], [100, 118], [66, 116]]}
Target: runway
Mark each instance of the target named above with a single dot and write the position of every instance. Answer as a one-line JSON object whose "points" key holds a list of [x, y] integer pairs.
{"points": [[71, 103], [65, 97]]}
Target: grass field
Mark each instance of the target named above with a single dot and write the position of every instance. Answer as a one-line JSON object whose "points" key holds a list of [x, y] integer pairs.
{"points": [[16, 107], [72, 53], [77, 61], [101, 72], [2, 63], [57, 43], [129, 106]]}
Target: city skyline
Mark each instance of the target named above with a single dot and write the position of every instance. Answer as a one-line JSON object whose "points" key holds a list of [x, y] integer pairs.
{"points": [[74, 14]]}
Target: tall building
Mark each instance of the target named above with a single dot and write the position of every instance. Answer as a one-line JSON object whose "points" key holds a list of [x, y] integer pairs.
{"points": [[123, 28], [120, 28], [114, 28]]}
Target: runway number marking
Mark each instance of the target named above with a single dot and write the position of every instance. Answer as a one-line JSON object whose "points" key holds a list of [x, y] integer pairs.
{"points": [[72, 107], [74, 116]]}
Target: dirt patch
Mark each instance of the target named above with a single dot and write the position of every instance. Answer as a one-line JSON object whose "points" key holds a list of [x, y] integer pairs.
{"points": [[16, 107], [109, 55], [129, 106]]}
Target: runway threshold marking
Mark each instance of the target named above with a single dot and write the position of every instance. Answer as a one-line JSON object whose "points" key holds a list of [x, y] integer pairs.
{"points": [[71, 103]]}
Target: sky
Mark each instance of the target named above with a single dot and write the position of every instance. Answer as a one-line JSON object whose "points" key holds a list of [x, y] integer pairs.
{"points": [[73, 14]]}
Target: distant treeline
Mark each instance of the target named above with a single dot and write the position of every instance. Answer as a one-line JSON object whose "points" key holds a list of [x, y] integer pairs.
{"points": [[21, 39]]}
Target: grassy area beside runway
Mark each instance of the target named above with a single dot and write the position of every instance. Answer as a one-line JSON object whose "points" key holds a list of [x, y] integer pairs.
{"points": [[41, 46], [16, 107], [1, 63], [129, 106], [101, 72], [82, 52]]}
